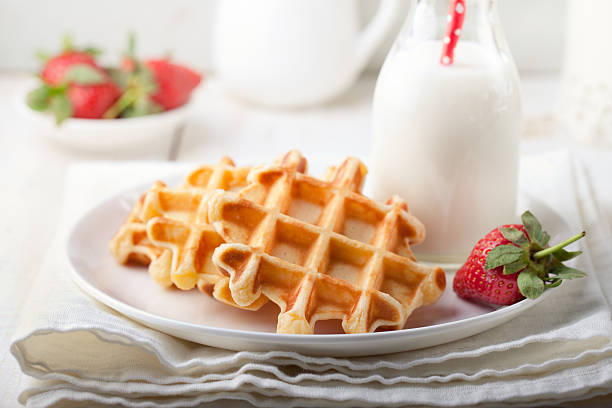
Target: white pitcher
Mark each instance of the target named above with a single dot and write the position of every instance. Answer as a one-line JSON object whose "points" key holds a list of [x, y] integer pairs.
{"points": [[294, 52]]}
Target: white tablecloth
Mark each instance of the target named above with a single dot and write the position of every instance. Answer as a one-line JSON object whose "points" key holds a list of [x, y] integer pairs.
{"points": [[567, 336]]}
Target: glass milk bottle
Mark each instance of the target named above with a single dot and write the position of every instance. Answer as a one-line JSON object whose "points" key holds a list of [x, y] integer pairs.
{"points": [[446, 133]]}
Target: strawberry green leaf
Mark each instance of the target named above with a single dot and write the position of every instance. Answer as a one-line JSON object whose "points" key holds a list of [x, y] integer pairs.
{"points": [[42, 56], [553, 284], [517, 265], [565, 272], [147, 81], [61, 108], [563, 255], [67, 43], [38, 99], [141, 107], [539, 268], [534, 229], [93, 51], [503, 255], [515, 236], [57, 90], [131, 51], [529, 284], [84, 74]]}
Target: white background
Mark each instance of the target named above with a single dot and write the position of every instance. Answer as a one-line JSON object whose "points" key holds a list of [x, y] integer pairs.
{"points": [[535, 29]]}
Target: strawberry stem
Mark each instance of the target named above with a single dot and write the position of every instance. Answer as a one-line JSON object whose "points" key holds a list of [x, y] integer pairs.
{"points": [[550, 250], [128, 98], [132, 46], [67, 44]]}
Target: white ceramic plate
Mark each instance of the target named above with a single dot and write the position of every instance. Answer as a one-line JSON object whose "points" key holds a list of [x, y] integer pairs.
{"points": [[101, 135], [197, 317]]}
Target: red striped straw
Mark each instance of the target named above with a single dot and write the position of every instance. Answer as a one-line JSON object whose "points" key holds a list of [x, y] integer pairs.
{"points": [[456, 15]]}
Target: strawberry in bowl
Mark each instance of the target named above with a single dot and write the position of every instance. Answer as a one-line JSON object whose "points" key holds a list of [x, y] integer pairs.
{"points": [[174, 83], [514, 262], [151, 86], [86, 105], [73, 85]]}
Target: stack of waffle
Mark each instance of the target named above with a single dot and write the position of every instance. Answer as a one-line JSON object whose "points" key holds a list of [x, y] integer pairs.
{"points": [[318, 248]]}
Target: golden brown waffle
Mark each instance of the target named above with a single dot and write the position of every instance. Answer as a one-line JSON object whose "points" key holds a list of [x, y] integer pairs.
{"points": [[176, 206], [176, 222], [131, 245], [323, 251]]}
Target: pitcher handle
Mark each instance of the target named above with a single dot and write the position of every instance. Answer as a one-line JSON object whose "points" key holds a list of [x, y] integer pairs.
{"points": [[372, 35]]}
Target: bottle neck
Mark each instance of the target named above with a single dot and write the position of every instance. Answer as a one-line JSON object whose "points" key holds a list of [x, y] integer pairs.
{"points": [[427, 21], [476, 7]]}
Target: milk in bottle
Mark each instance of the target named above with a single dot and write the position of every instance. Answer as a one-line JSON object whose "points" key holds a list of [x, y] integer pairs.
{"points": [[446, 136]]}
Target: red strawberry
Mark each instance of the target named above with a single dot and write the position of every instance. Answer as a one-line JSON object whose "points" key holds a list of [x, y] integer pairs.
{"points": [[513, 262], [151, 86], [74, 85], [472, 281], [174, 83], [82, 92], [55, 68], [92, 101]]}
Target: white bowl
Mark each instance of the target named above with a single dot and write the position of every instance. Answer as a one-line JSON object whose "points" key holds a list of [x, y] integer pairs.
{"points": [[103, 134]]}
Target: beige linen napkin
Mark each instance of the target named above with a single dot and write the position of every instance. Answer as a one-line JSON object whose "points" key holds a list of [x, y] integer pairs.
{"points": [[76, 349]]}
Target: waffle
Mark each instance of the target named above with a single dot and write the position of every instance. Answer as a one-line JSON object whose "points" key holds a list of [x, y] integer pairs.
{"points": [[131, 244], [176, 222], [323, 252]]}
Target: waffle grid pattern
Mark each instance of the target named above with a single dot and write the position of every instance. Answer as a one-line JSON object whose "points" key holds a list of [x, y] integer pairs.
{"points": [[324, 251], [177, 222]]}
